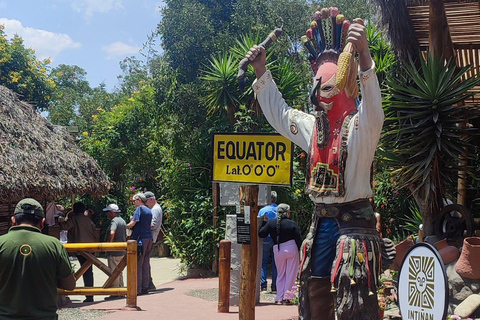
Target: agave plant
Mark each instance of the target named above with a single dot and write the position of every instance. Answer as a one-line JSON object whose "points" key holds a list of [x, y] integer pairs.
{"points": [[423, 137]]}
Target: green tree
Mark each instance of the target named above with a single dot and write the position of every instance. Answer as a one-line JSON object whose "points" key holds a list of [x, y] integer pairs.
{"points": [[72, 89], [74, 101], [188, 34], [23, 73], [352, 9], [134, 75]]}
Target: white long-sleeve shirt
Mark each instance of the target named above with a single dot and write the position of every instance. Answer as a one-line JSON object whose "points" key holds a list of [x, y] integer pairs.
{"points": [[364, 131]]}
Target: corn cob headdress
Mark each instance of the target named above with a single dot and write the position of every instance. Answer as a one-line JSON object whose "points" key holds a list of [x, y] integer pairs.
{"points": [[325, 41]]}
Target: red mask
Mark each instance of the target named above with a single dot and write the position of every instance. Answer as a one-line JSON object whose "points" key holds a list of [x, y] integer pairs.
{"points": [[330, 99]]}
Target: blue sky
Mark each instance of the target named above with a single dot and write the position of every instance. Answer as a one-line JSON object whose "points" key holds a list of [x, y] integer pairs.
{"points": [[92, 34]]}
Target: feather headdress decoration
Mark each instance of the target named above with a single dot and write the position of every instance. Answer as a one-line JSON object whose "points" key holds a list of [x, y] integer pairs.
{"points": [[325, 41]]}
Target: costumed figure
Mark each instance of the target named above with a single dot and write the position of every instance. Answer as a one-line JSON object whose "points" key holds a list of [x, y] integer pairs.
{"points": [[341, 257]]}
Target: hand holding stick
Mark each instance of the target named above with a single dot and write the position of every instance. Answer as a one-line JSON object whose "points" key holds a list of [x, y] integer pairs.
{"points": [[242, 67]]}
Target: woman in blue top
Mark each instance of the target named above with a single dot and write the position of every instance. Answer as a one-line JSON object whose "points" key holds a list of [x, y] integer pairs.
{"points": [[140, 225]]}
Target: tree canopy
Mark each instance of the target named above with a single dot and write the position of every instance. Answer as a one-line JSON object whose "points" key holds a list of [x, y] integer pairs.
{"points": [[22, 72]]}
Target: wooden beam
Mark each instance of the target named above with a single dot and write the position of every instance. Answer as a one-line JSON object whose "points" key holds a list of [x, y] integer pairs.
{"points": [[224, 276], [116, 272], [440, 42], [249, 197]]}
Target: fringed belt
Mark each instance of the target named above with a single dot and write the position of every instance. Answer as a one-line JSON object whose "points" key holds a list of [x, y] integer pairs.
{"points": [[333, 210], [358, 231]]}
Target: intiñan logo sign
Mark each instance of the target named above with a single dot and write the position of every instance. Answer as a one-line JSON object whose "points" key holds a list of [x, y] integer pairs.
{"points": [[252, 158], [422, 284]]}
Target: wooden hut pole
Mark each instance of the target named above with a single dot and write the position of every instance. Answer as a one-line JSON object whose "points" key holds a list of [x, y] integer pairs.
{"points": [[224, 276], [249, 197], [132, 274], [440, 42]]}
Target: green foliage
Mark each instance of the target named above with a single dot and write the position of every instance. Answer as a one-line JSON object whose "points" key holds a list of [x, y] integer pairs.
{"points": [[413, 221], [23, 73], [381, 51], [223, 91], [120, 140], [74, 102], [189, 29], [423, 136], [350, 8], [422, 123], [191, 236], [392, 202], [72, 89]]}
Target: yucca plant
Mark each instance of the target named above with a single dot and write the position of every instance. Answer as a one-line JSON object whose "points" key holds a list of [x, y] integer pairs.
{"points": [[222, 90], [424, 137]]}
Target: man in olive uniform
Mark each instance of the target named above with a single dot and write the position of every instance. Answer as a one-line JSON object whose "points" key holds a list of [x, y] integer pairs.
{"points": [[32, 266]]}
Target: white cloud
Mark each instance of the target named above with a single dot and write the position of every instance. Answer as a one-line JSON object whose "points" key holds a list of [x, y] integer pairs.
{"points": [[90, 7], [45, 43], [119, 49]]}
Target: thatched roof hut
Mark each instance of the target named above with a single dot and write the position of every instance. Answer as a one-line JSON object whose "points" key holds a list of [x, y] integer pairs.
{"points": [[40, 160]]}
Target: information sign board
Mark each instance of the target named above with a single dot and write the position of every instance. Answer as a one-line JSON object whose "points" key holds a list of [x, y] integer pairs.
{"points": [[243, 225], [423, 284], [252, 158]]}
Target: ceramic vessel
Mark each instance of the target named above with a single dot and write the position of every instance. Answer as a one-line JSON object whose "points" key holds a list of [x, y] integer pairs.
{"points": [[448, 253], [467, 264], [402, 249]]}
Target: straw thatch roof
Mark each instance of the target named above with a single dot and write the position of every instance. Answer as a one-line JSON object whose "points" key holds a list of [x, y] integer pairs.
{"points": [[463, 18], [407, 22], [396, 18], [40, 160]]}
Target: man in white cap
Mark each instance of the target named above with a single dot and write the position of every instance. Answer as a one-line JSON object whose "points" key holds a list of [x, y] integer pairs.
{"points": [[156, 224], [117, 232], [32, 265]]}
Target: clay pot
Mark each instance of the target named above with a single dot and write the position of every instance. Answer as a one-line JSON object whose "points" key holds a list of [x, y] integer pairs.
{"points": [[467, 264], [402, 249], [448, 253], [441, 244]]}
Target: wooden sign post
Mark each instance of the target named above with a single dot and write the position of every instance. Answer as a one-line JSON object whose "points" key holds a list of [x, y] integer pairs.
{"points": [[249, 198]]}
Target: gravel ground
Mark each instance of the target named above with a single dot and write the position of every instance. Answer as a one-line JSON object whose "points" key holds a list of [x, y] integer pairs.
{"points": [[206, 294], [212, 295], [79, 314]]}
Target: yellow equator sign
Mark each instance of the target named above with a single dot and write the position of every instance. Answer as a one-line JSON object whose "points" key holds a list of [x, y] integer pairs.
{"points": [[252, 158]]}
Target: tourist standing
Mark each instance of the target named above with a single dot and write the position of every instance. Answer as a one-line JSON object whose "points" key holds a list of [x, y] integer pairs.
{"points": [[32, 265], [155, 226], [116, 233], [81, 229], [287, 240], [140, 225], [270, 212]]}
